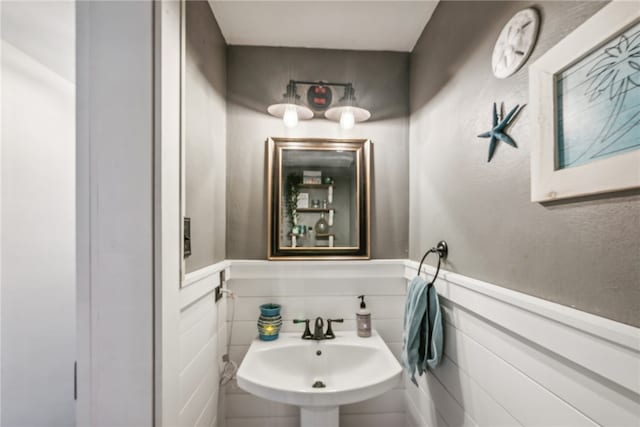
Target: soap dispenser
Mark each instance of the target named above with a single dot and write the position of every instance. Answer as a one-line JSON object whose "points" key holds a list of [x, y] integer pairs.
{"points": [[363, 317]]}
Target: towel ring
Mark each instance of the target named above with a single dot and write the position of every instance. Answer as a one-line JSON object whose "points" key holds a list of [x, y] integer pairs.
{"points": [[442, 249]]}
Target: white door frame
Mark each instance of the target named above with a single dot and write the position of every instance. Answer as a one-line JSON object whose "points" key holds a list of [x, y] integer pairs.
{"points": [[128, 212]]}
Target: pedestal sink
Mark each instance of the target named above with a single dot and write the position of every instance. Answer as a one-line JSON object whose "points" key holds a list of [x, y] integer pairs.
{"points": [[319, 376]]}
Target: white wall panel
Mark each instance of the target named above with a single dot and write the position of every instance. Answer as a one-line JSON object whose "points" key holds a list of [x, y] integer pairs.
{"points": [[194, 313], [472, 396], [308, 290], [193, 340], [393, 401], [313, 286], [511, 359], [532, 404], [498, 369], [372, 420], [382, 307], [244, 405], [421, 410], [206, 392], [452, 412], [237, 352], [202, 343], [269, 270], [602, 403], [389, 329], [264, 422], [208, 416], [201, 365]]}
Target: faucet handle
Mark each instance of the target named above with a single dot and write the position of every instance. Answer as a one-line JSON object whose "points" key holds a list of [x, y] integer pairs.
{"points": [[330, 335], [306, 335]]}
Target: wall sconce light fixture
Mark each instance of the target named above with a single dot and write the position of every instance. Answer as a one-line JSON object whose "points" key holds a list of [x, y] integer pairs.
{"points": [[290, 109], [346, 111]]}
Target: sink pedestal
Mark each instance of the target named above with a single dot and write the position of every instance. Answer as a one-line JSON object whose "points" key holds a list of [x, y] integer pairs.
{"points": [[319, 416]]}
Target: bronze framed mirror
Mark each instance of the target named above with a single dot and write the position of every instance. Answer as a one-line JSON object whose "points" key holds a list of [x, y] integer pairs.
{"points": [[319, 193]]}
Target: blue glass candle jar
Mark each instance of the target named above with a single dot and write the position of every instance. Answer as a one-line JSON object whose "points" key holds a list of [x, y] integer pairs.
{"points": [[269, 322]]}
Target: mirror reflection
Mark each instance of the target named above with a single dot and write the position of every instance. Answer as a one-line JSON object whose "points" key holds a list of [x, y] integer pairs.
{"points": [[319, 198]]}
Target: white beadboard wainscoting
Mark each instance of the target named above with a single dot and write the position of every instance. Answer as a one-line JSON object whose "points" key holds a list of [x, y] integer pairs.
{"points": [[202, 344], [512, 359], [307, 290]]}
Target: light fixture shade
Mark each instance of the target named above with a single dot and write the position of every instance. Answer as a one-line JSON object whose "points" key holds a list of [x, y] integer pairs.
{"points": [[359, 114], [278, 110]]}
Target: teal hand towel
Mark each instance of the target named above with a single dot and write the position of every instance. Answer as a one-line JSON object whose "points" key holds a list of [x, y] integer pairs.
{"points": [[422, 341], [414, 310], [436, 337]]}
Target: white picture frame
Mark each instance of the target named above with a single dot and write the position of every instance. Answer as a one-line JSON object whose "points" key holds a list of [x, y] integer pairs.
{"points": [[616, 173]]}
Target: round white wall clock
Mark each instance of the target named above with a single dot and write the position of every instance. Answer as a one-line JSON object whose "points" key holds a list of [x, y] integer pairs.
{"points": [[515, 43]]}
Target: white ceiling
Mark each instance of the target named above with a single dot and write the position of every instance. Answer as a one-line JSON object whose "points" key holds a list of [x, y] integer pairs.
{"points": [[358, 25]]}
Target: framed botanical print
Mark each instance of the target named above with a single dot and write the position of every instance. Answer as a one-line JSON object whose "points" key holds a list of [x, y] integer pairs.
{"points": [[585, 100]]}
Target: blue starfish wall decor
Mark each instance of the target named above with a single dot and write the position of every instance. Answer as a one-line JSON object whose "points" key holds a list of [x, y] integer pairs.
{"points": [[497, 132]]}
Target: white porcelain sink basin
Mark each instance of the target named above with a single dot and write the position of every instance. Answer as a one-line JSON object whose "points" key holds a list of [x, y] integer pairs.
{"points": [[350, 368]]}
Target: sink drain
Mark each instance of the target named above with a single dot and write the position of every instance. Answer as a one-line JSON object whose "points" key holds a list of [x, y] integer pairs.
{"points": [[318, 384]]}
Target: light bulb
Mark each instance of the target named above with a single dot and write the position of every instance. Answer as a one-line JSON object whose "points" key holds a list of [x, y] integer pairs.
{"points": [[290, 117], [347, 120]]}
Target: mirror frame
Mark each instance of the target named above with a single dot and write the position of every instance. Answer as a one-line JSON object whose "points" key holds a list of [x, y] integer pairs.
{"points": [[362, 148]]}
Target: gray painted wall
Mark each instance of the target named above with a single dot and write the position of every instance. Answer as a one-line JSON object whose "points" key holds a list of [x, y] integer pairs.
{"points": [[582, 254], [205, 135], [257, 77]]}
